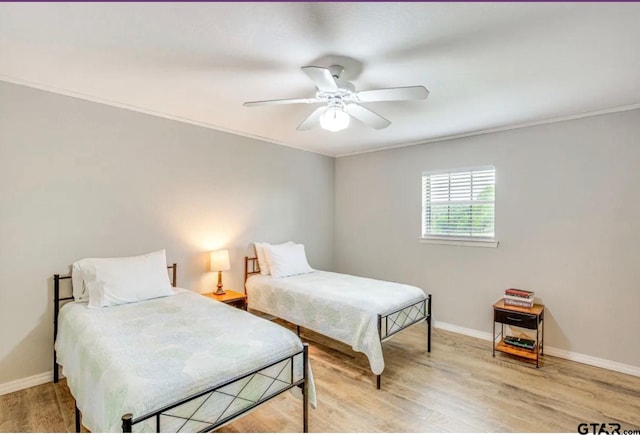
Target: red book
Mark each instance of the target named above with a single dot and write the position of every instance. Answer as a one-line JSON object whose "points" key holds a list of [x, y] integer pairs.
{"points": [[518, 292]]}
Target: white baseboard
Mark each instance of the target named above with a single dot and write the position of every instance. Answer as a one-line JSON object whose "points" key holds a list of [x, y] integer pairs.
{"points": [[552, 351], [30, 381], [461, 330], [593, 361]]}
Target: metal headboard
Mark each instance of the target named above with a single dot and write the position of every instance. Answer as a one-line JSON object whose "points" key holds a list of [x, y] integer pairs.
{"points": [[174, 274], [251, 267]]}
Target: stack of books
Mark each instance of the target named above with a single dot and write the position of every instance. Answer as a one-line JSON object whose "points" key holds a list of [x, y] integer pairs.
{"points": [[518, 298], [521, 343]]}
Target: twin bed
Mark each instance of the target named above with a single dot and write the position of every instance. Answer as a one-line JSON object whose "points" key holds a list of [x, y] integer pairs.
{"points": [[174, 364], [360, 312]]}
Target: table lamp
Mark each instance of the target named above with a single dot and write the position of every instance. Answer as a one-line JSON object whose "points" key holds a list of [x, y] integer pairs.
{"points": [[220, 262]]}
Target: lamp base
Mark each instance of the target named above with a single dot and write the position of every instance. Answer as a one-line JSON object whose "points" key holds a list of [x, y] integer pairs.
{"points": [[219, 290]]}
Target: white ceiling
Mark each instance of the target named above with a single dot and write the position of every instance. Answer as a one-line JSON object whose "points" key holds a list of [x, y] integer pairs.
{"points": [[487, 65]]}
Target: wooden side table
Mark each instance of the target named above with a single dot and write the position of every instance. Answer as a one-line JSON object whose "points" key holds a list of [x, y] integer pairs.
{"points": [[230, 297], [528, 318]]}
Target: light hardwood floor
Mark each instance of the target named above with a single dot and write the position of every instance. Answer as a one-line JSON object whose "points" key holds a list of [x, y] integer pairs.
{"points": [[459, 387]]}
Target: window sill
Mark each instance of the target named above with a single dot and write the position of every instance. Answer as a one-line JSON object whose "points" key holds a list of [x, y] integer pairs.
{"points": [[459, 242]]}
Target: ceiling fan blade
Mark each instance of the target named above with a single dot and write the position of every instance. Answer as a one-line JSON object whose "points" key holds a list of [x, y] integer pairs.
{"points": [[312, 119], [367, 116], [393, 94], [322, 77], [284, 101]]}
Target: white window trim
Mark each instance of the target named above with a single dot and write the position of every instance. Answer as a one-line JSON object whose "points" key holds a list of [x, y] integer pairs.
{"points": [[481, 243], [462, 169], [452, 240]]}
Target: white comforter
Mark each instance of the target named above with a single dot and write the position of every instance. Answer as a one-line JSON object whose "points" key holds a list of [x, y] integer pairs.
{"points": [[141, 356], [343, 307]]}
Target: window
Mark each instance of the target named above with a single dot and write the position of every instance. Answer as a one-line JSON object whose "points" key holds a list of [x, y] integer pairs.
{"points": [[459, 205]]}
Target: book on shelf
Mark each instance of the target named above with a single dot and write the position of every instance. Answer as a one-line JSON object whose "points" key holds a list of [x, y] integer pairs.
{"points": [[523, 343], [517, 303], [518, 292], [520, 299]]}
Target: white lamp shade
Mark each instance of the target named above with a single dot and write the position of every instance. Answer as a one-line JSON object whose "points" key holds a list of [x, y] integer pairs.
{"points": [[220, 261], [334, 119]]}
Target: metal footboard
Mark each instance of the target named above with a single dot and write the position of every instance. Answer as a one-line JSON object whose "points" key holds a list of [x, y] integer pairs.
{"points": [[201, 412], [392, 323]]}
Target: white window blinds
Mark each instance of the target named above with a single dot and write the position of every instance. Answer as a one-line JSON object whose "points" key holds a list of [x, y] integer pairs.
{"points": [[459, 203]]}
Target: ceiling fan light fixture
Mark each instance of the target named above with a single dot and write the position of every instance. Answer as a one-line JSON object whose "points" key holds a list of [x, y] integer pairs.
{"points": [[334, 119]]}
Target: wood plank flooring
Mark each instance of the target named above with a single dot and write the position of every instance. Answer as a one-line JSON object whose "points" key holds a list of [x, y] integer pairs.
{"points": [[459, 387]]}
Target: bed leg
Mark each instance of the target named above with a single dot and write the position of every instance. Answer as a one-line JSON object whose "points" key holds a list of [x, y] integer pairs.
{"points": [[305, 389], [378, 377], [429, 327], [56, 376], [56, 308], [429, 335], [298, 329], [127, 423], [78, 430]]}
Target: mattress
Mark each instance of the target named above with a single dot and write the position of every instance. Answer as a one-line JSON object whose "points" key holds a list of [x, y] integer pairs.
{"points": [[343, 307], [138, 357]]}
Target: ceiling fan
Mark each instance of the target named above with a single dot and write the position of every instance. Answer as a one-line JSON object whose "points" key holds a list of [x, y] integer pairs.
{"points": [[341, 101]]}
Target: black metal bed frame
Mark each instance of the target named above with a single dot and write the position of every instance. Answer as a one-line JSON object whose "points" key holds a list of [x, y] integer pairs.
{"points": [[287, 363], [404, 317]]}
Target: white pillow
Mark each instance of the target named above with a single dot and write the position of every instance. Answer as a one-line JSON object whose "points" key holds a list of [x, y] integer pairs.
{"points": [[286, 260], [80, 293], [116, 281], [262, 261]]}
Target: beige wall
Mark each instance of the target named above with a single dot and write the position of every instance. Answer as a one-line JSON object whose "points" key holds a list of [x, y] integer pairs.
{"points": [[81, 179], [567, 218]]}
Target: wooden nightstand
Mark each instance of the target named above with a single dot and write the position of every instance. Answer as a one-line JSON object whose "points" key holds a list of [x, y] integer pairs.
{"points": [[230, 297], [528, 318]]}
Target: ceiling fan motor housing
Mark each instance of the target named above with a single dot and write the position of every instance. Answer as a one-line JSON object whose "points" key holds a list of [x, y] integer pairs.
{"points": [[336, 71]]}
